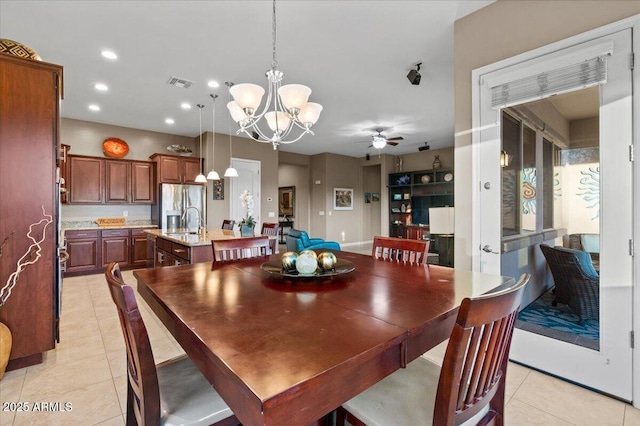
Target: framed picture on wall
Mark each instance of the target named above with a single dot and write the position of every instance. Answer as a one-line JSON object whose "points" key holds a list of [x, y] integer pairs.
{"points": [[343, 198], [375, 196], [218, 189], [367, 197], [286, 200]]}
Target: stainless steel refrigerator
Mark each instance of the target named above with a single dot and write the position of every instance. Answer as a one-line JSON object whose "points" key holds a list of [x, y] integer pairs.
{"points": [[174, 199]]}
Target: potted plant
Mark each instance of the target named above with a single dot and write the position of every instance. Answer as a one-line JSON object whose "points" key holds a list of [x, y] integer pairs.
{"points": [[247, 224]]}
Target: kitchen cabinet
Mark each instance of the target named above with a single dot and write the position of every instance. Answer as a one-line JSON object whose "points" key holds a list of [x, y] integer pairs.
{"points": [[83, 248], [94, 180], [142, 182], [30, 95], [86, 180], [91, 250], [115, 245], [138, 248], [63, 160], [176, 169], [170, 253], [117, 182]]}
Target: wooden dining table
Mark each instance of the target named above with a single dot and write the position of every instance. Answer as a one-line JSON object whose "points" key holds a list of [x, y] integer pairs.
{"points": [[289, 350]]}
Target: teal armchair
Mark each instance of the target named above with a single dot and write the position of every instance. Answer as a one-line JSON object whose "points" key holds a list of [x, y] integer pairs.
{"points": [[299, 240]]}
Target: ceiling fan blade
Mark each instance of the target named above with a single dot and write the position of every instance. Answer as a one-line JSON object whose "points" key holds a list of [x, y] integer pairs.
{"points": [[391, 143], [399, 138]]}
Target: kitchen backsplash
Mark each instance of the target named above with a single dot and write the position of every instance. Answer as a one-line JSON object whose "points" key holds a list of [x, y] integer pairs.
{"points": [[76, 215]]}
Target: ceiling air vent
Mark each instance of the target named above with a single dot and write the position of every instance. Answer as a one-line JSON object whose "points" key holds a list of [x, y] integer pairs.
{"points": [[179, 82]]}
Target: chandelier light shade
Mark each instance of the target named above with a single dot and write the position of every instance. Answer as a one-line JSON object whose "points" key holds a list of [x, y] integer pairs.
{"points": [[213, 175], [200, 178], [286, 107]]}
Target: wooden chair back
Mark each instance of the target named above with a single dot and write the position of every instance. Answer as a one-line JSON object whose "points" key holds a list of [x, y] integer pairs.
{"points": [[475, 363], [143, 394], [270, 228], [228, 224], [400, 250], [240, 248]]}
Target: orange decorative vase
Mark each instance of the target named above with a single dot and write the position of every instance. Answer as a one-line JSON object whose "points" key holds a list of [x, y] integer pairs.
{"points": [[5, 347]]}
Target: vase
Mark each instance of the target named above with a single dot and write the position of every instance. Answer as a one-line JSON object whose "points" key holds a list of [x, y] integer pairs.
{"points": [[436, 162], [5, 347], [246, 230]]}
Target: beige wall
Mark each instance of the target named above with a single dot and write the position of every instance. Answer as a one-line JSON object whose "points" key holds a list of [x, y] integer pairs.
{"points": [[499, 31], [371, 212], [585, 132]]}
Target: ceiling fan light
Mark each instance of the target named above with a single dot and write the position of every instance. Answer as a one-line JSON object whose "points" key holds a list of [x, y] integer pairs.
{"points": [[379, 142], [310, 114], [201, 178], [230, 172], [279, 125], [294, 96], [213, 175], [247, 96], [236, 112]]}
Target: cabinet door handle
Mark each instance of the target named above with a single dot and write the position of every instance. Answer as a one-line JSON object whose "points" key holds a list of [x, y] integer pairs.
{"points": [[179, 250], [81, 235]]}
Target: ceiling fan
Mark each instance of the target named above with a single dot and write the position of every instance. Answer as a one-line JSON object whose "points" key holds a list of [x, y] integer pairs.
{"points": [[379, 141]]}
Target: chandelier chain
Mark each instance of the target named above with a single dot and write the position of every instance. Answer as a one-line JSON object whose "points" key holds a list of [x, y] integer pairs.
{"points": [[274, 63]]}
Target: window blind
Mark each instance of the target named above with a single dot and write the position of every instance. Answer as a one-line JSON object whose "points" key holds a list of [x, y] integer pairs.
{"points": [[581, 75]]}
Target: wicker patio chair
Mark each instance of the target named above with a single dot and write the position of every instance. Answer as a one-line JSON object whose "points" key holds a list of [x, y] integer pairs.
{"points": [[577, 282]]}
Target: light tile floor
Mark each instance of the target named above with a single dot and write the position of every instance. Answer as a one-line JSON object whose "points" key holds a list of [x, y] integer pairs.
{"points": [[86, 371]]}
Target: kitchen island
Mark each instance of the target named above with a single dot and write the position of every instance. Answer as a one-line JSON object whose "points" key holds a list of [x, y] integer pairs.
{"points": [[181, 247]]}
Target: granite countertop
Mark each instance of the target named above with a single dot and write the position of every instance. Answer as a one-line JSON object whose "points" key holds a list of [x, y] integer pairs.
{"points": [[184, 237]]}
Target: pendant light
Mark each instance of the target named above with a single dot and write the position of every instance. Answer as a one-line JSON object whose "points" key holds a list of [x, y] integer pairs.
{"points": [[200, 178], [230, 172], [213, 175]]}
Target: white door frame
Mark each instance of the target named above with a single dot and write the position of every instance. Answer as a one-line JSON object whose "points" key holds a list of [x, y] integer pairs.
{"points": [[479, 127]]}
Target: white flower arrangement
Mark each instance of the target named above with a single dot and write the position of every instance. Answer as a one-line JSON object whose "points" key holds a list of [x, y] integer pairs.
{"points": [[247, 202]]}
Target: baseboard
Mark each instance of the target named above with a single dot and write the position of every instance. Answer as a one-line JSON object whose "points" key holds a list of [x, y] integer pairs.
{"points": [[356, 243]]}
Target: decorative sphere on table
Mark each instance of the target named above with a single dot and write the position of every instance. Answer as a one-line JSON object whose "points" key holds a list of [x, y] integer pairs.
{"points": [[310, 253], [306, 264], [327, 260], [289, 260]]}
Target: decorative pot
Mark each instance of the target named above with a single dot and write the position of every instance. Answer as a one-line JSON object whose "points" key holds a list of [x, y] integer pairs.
{"points": [[246, 230], [436, 162], [5, 347]]}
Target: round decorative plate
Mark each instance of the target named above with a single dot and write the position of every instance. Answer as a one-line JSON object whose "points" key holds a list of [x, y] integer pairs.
{"points": [[425, 179], [18, 49], [275, 267], [115, 148], [448, 177]]}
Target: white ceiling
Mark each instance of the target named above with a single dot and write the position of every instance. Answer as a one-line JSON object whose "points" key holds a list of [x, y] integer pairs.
{"points": [[354, 55]]}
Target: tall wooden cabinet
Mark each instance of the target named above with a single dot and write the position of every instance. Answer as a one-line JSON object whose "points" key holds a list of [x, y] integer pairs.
{"points": [[176, 169], [30, 94]]}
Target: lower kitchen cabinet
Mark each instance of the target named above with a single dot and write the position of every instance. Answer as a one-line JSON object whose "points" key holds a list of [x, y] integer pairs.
{"points": [[169, 253], [84, 252], [115, 247], [91, 250]]}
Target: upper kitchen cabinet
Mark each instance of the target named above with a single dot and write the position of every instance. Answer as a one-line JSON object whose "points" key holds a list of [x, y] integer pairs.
{"points": [[86, 180], [94, 180], [30, 93], [176, 169]]}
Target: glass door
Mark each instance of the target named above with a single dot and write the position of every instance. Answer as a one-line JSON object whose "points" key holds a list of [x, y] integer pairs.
{"points": [[556, 171]]}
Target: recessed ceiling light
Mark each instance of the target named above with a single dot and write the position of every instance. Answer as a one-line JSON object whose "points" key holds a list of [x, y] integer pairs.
{"points": [[169, 121], [109, 54], [101, 87], [186, 105], [213, 84], [94, 107]]}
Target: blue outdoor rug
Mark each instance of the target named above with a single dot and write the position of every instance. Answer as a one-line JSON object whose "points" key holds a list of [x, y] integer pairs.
{"points": [[558, 322]]}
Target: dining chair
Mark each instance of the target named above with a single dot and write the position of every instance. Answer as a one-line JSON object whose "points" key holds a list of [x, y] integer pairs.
{"points": [[270, 228], [240, 248], [171, 393], [400, 250], [469, 387], [228, 224], [577, 284]]}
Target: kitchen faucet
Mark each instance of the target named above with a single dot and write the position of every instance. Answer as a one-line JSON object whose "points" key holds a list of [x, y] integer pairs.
{"points": [[200, 221]]}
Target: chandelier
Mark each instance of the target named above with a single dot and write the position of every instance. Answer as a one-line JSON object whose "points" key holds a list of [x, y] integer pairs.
{"points": [[288, 103]]}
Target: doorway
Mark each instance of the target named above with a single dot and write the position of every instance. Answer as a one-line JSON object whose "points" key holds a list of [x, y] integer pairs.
{"points": [[536, 189], [248, 179]]}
